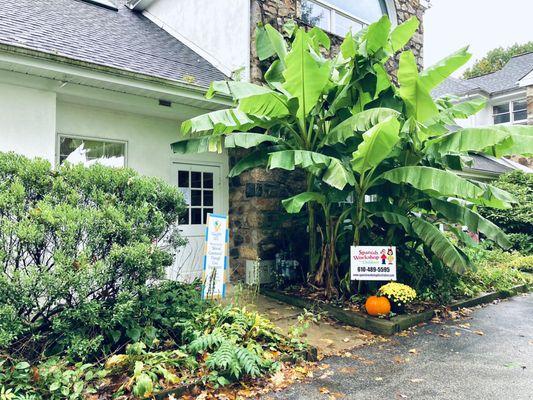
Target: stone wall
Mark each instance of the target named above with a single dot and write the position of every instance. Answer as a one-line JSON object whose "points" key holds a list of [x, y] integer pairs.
{"points": [[257, 229]]}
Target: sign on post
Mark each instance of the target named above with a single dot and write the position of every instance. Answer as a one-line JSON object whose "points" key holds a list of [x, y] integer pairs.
{"points": [[373, 263], [215, 273]]}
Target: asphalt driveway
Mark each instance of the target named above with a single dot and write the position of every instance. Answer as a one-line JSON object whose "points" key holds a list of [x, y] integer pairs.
{"points": [[489, 356]]}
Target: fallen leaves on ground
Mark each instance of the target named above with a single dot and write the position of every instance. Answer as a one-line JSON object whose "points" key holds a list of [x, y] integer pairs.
{"points": [[348, 370], [480, 333]]}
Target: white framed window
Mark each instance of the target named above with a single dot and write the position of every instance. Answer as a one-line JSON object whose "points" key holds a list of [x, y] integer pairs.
{"points": [[511, 112], [89, 151], [341, 16]]}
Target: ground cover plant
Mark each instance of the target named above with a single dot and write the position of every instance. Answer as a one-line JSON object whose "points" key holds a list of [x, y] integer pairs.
{"points": [[85, 311], [381, 156]]}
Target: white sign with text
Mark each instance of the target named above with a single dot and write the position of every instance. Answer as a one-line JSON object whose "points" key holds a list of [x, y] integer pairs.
{"points": [[373, 263], [216, 257]]}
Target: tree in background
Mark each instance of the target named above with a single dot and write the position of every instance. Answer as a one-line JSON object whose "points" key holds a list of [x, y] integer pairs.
{"points": [[496, 59]]}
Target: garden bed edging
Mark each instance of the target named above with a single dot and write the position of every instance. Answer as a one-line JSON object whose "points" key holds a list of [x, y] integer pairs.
{"points": [[395, 324]]}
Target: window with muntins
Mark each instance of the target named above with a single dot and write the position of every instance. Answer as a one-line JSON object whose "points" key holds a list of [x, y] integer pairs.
{"points": [[76, 150], [197, 189], [341, 16], [512, 112]]}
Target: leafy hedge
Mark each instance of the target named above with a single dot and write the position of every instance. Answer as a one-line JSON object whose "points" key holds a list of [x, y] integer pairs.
{"points": [[517, 221], [77, 249]]}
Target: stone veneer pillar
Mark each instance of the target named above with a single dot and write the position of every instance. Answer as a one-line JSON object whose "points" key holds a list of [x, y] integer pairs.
{"points": [[259, 228]]}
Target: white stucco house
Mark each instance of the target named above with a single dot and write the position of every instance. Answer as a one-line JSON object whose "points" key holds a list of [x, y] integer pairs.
{"points": [[508, 94], [110, 81]]}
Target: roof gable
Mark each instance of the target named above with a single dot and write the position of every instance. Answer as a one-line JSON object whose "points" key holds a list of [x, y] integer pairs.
{"points": [[506, 79], [121, 39]]}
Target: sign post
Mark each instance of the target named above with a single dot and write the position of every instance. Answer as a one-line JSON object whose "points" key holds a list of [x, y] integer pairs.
{"points": [[373, 263], [215, 273]]}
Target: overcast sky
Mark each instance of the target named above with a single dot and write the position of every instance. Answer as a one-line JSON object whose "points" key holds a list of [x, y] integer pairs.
{"points": [[482, 24]]}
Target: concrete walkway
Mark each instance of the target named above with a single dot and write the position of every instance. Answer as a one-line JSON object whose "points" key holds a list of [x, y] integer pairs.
{"points": [[489, 356], [329, 337]]}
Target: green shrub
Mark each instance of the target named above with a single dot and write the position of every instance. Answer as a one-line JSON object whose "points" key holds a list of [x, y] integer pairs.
{"points": [[77, 248], [517, 221]]}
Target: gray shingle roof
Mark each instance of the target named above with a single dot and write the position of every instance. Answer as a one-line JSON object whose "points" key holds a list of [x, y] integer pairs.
{"points": [[86, 32], [503, 80]]}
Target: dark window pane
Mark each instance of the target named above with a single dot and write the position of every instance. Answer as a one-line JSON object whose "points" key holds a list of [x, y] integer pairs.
{"points": [[207, 211], [502, 108], [196, 198], [519, 105], [184, 219], [196, 216], [502, 118], [520, 115], [94, 149], [315, 14], [343, 25], [196, 179], [368, 10], [208, 198], [183, 179], [208, 180], [115, 149]]}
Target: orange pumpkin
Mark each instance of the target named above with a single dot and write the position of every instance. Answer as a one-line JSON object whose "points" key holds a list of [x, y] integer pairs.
{"points": [[377, 305]]}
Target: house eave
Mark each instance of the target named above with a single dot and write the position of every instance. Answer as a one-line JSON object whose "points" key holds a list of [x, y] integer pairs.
{"points": [[139, 5], [63, 68]]}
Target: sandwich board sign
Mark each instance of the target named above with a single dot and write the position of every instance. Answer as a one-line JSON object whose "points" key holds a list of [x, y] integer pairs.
{"points": [[373, 263], [215, 269]]}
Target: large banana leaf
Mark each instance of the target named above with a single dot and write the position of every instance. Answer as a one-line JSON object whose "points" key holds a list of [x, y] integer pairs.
{"points": [[393, 218], [198, 145], [335, 174], [416, 95], [305, 78], [436, 182], [376, 146], [377, 35], [255, 159], [491, 139], [270, 105], [359, 122], [439, 245], [402, 33], [294, 204], [521, 145], [269, 42], [433, 76], [476, 223], [216, 122], [494, 197], [248, 139]]}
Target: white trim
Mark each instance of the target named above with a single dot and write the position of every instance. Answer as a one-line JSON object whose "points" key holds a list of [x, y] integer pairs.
{"points": [[334, 10], [526, 80], [200, 51], [59, 135], [510, 104]]}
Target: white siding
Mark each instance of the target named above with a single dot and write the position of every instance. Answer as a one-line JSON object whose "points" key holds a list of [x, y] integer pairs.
{"points": [[218, 30], [27, 121]]}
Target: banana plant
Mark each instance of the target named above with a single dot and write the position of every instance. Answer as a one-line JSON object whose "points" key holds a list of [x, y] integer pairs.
{"points": [[378, 151]]}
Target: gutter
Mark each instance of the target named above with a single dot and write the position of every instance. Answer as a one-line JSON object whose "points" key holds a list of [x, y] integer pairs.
{"points": [[194, 91]]}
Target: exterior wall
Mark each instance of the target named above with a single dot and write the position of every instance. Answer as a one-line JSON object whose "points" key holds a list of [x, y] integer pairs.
{"points": [[218, 30], [28, 121], [529, 97], [256, 229]]}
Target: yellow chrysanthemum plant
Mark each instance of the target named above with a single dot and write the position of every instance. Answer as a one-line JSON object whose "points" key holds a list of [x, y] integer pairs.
{"points": [[398, 294]]}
